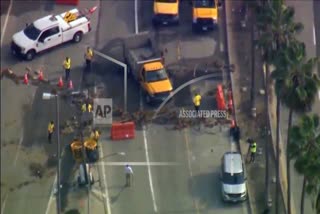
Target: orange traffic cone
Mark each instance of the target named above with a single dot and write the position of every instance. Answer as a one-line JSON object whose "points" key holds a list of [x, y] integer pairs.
{"points": [[40, 77], [70, 86], [25, 79], [60, 83]]}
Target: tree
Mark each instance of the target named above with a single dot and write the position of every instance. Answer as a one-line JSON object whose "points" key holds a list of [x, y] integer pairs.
{"points": [[304, 147], [278, 30], [297, 87]]}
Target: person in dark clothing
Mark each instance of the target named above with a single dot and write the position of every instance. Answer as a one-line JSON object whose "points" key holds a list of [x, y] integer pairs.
{"points": [[236, 134]]}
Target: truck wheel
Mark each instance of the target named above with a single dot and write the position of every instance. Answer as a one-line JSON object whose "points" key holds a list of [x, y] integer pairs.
{"points": [[77, 37], [30, 55], [148, 99]]}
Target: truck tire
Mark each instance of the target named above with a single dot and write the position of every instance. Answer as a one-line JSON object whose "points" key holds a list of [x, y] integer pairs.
{"points": [[30, 55], [148, 99], [77, 37]]}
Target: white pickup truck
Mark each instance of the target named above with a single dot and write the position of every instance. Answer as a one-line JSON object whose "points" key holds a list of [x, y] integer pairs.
{"points": [[50, 31]]}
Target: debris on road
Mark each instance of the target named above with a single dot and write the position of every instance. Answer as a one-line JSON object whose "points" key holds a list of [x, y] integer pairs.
{"points": [[36, 169]]}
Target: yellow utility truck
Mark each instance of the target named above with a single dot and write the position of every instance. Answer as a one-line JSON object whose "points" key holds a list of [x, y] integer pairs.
{"points": [[205, 15], [145, 65], [166, 12]]}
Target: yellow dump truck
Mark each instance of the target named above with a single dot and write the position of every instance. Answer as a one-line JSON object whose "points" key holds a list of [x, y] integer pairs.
{"points": [[205, 15], [165, 12], [146, 66]]}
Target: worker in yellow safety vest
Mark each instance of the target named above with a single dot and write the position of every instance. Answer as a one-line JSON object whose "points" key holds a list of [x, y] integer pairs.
{"points": [[197, 101], [86, 107], [95, 135], [50, 131], [67, 67], [253, 151], [88, 56]]}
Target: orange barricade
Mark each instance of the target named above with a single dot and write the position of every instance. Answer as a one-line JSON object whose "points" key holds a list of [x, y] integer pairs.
{"points": [[230, 102], [121, 131], [69, 2], [220, 98]]}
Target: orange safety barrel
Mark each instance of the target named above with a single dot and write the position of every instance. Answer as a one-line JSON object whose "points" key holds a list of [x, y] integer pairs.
{"points": [[90, 144], [76, 148]]}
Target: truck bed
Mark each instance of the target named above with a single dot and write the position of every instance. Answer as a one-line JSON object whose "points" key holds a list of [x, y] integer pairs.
{"points": [[66, 26]]}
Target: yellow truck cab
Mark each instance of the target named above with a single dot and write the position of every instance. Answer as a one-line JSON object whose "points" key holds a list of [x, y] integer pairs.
{"points": [[146, 66], [205, 15], [165, 12]]}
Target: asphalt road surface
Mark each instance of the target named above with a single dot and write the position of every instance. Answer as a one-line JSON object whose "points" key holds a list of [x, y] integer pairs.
{"points": [[25, 116], [189, 184], [186, 181]]}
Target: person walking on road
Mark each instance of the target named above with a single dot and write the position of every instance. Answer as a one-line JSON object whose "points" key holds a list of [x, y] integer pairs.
{"points": [[88, 56], [129, 175], [253, 151], [197, 101], [50, 131], [67, 67]]}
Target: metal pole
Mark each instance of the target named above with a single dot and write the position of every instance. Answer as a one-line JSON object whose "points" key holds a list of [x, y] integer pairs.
{"points": [[125, 88], [58, 155]]}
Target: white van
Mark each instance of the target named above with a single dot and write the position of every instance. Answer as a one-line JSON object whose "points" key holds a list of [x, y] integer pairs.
{"points": [[233, 179]]}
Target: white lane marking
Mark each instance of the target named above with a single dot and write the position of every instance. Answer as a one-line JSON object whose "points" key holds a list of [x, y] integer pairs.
{"points": [[314, 35], [319, 94], [6, 22], [18, 149], [4, 204], [138, 163], [155, 208], [189, 153], [149, 170], [136, 16], [105, 184], [51, 195]]}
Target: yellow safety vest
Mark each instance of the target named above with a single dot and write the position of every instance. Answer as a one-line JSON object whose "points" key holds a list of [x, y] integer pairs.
{"points": [[50, 128], [67, 64], [96, 135], [253, 148], [89, 54], [197, 100], [84, 108], [89, 108]]}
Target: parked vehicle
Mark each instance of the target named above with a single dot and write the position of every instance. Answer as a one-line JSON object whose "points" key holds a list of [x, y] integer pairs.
{"points": [[146, 66], [165, 12], [50, 31], [233, 180], [204, 14]]}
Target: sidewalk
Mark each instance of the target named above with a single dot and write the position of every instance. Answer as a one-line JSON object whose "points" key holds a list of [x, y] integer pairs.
{"points": [[239, 48]]}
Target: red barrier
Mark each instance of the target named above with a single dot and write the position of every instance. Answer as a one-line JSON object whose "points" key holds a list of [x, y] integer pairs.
{"points": [[68, 2], [220, 98], [121, 131]]}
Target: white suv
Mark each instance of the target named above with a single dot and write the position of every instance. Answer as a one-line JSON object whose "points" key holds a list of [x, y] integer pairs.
{"points": [[233, 180]]}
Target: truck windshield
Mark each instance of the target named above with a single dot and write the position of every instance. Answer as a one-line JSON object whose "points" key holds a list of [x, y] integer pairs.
{"points": [[204, 3], [157, 75], [235, 178], [32, 32], [167, 1]]}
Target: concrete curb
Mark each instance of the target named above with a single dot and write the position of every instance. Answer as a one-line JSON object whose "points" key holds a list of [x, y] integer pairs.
{"points": [[229, 59]]}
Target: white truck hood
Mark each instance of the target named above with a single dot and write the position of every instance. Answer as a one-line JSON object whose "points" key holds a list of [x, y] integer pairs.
{"points": [[22, 40]]}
